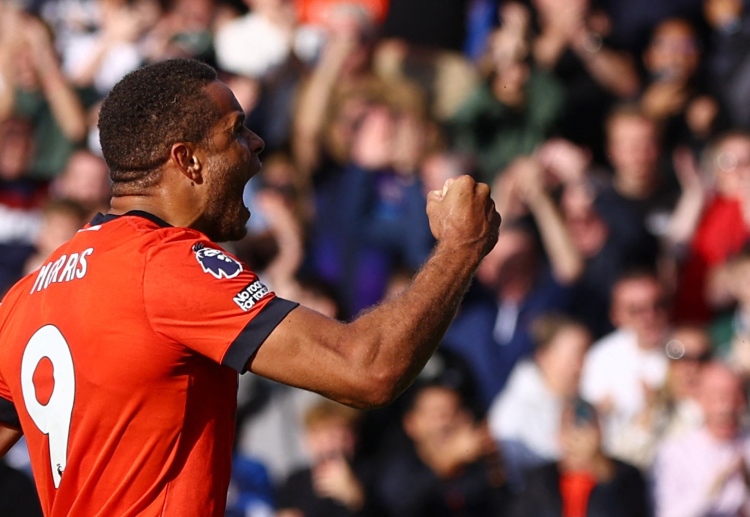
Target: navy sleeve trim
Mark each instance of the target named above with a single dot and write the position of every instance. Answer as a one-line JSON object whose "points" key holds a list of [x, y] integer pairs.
{"points": [[8, 414], [255, 333]]}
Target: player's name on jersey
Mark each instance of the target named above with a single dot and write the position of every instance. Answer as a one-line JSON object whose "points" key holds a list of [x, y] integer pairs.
{"points": [[64, 269]]}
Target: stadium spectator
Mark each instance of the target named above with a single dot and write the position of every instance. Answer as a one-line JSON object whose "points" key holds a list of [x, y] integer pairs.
{"points": [[607, 244], [626, 367], [270, 71], [332, 99], [537, 391], [705, 472], [574, 43], [731, 329], [584, 481], [21, 199], [674, 95], [449, 466], [85, 180], [640, 195], [721, 229], [512, 111], [183, 30], [268, 28], [332, 485], [727, 58], [100, 58], [61, 219], [514, 286], [371, 213], [518, 281], [32, 86], [689, 350], [532, 270], [672, 410]]}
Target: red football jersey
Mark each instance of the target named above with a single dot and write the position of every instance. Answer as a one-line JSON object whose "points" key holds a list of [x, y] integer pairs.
{"points": [[119, 357]]}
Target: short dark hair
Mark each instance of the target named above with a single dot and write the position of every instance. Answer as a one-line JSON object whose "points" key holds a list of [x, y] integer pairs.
{"points": [[147, 112]]}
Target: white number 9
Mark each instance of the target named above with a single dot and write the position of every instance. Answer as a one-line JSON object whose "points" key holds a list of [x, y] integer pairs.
{"points": [[53, 418]]}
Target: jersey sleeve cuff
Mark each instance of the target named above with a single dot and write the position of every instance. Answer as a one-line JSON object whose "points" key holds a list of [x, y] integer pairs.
{"points": [[8, 414], [255, 332]]}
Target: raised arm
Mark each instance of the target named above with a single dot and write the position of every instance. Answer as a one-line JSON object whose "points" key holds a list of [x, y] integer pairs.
{"points": [[370, 361], [63, 100]]}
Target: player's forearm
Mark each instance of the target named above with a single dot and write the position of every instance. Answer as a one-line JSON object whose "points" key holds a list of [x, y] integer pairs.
{"points": [[403, 333], [368, 362]]}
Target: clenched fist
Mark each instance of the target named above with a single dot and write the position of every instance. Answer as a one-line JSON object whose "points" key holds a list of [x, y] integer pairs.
{"points": [[463, 215]]}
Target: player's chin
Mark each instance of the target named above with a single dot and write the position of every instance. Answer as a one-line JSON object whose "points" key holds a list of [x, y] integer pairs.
{"points": [[232, 233]]}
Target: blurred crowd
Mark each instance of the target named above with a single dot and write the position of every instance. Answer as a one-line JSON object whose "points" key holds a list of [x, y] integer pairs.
{"points": [[599, 364]]}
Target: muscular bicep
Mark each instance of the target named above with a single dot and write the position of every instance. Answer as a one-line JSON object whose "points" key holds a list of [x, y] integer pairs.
{"points": [[8, 438], [311, 351]]}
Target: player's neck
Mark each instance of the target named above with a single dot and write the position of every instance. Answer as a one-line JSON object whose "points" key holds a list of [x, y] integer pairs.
{"points": [[167, 211]]}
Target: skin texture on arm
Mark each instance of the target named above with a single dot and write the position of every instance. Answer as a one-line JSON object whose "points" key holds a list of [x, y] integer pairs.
{"points": [[370, 361], [8, 438]]}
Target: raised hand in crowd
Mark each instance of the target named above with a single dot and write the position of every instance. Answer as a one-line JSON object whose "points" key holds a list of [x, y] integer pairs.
{"points": [[335, 479], [114, 51], [575, 26], [532, 190], [693, 197]]}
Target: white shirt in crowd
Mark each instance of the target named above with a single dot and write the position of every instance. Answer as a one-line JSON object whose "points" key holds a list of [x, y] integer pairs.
{"points": [[688, 472], [615, 372], [525, 419]]}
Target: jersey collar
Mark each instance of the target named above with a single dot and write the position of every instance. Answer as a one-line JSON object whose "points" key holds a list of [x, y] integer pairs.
{"points": [[105, 218]]}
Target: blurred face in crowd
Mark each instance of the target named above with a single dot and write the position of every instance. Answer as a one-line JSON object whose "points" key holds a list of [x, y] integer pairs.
{"points": [[551, 7], [639, 305], [731, 165], [58, 227], [435, 413], [510, 82], [513, 261], [580, 436], [673, 54], [718, 13], [561, 360], [632, 143], [16, 148], [194, 15], [85, 179], [347, 116], [688, 350], [329, 438], [722, 398]]}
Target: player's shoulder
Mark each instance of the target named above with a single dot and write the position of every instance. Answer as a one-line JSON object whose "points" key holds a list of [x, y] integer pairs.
{"points": [[184, 246]]}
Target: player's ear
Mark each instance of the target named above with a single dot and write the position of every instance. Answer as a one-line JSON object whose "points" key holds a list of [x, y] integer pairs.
{"points": [[185, 159]]}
